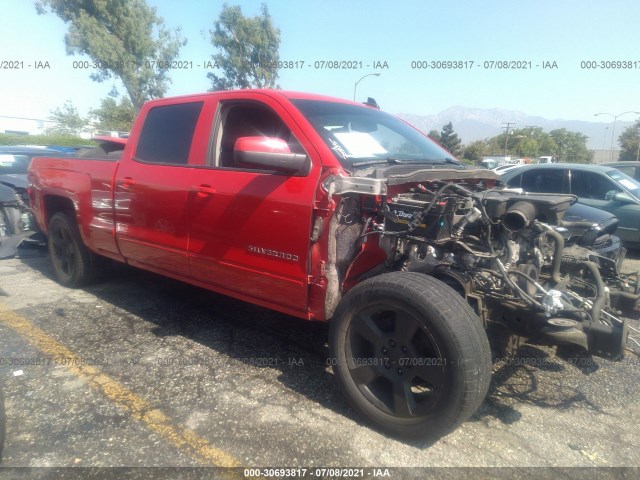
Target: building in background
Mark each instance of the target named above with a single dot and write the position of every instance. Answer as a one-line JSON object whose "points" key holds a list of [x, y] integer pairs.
{"points": [[31, 126], [24, 126], [604, 156]]}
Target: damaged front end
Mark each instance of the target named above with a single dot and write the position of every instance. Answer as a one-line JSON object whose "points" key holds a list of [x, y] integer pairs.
{"points": [[507, 252]]}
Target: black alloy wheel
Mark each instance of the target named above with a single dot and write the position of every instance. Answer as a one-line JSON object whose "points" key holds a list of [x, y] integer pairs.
{"points": [[410, 354]]}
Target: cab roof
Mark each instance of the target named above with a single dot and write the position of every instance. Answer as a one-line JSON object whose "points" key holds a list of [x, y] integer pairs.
{"points": [[273, 93]]}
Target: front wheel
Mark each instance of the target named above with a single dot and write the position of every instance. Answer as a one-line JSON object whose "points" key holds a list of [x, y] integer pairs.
{"points": [[410, 354], [73, 263]]}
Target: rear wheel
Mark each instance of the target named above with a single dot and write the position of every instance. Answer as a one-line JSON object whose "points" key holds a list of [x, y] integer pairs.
{"points": [[410, 354], [73, 263]]}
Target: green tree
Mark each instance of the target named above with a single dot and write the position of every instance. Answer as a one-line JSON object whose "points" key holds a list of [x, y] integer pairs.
{"points": [[571, 146], [434, 135], [124, 38], [53, 139], [113, 115], [67, 120], [449, 140], [547, 145], [534, 142], [474, 151], [630, 142], [247, 50], [524, 142], [528, 148], [495, 145]]}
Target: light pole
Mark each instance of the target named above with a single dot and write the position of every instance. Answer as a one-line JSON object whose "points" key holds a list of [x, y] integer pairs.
{"points": [[604, 137], [638, 152], [356, 84], [615, 119]]}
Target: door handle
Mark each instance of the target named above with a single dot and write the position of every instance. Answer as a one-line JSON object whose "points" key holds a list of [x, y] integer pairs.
{"points": [[203, 190], [127, 181]]}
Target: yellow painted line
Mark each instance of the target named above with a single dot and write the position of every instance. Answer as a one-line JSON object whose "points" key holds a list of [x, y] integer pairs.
{"points": [[139, 408]]}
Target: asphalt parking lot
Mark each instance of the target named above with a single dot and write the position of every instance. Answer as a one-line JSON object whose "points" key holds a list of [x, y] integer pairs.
{"points": [[139, 371]]}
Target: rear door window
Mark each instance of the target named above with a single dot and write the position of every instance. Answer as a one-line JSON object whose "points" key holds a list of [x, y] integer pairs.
{"points": [[544, 180], [167, 133]]}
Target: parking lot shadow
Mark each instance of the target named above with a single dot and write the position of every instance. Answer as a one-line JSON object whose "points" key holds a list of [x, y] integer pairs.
{"points": [[516, 382]]}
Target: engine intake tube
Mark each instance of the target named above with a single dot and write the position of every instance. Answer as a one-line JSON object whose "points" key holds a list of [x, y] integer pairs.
{"points": [[519, 215]]}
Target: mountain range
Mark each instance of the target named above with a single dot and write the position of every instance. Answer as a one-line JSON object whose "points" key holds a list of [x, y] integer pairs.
{"points": [[477, 124]]}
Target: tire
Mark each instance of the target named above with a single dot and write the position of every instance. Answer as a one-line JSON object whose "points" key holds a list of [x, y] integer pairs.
{"points": [[410, 355], [73, 263]]}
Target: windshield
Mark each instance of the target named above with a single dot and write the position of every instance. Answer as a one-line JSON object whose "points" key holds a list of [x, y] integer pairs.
{"points": [[361, 136], [629, 183], [13, 164]]}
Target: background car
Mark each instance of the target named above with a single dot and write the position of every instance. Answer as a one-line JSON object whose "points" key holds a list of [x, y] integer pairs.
{"points": [[598, 186], [505, 168], [15, 220], [14, 162], [630, 168]]}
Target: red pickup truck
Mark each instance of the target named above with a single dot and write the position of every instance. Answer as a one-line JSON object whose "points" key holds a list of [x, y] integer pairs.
{"points": [[329, 210]]}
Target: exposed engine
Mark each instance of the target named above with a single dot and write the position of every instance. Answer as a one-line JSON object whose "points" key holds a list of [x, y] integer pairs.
{"points": [[503, 250]]}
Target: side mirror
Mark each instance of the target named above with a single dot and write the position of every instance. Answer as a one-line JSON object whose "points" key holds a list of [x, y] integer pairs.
{"points": [[269, 153], [622, 197]]}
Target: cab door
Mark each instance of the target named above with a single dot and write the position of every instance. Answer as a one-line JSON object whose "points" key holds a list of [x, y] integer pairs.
{"points": [[151, 189], [250, 228]]}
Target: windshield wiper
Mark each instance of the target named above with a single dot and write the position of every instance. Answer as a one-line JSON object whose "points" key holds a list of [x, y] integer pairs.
{"points": [[377, 161]]}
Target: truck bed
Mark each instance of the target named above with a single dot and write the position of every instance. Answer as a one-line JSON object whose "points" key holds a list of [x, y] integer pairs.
{"points": [[88, 183]]}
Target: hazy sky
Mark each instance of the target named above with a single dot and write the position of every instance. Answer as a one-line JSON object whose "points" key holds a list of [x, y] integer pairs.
{"points": [[396, 32]]}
